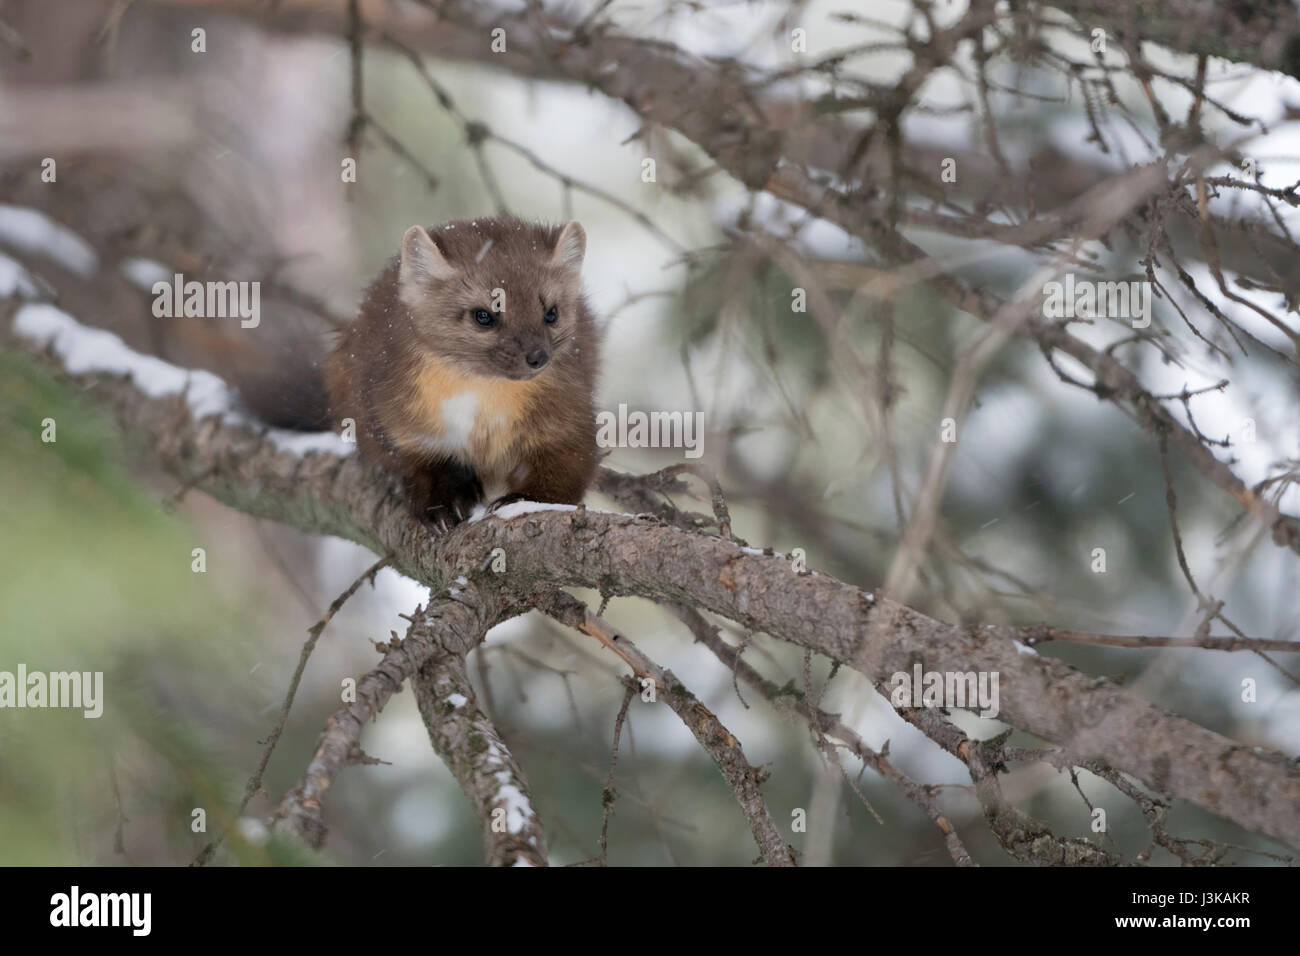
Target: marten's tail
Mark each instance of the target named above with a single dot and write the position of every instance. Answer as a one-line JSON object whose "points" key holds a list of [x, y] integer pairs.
{"points": [[281, 381], [287, 391]]}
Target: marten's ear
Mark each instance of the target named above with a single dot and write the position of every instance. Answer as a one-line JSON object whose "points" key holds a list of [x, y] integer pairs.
{"points": [[422, 262], [570, 247]]}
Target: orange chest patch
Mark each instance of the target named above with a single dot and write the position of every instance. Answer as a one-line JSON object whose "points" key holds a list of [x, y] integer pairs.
{"points": [[480, 420]]}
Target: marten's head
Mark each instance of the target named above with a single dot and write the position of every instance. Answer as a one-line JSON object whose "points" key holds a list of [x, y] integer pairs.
{"points": [[496, 297]]}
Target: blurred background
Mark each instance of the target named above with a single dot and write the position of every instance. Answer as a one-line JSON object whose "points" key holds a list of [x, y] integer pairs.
{"points": [[227, 162]]}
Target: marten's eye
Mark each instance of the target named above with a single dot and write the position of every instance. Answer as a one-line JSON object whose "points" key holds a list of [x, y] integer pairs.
{"points": [[552, 315], [485, 318]]}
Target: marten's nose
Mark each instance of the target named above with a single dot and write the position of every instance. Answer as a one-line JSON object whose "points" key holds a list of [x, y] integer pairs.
{"points": [[537, 358]]}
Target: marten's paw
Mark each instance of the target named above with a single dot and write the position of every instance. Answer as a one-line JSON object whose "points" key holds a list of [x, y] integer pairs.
{"points": [[439, 521], [444, 496], [441, 518]]}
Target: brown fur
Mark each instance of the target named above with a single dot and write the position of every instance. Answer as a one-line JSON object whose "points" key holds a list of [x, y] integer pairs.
{"points": [[454, 408]]}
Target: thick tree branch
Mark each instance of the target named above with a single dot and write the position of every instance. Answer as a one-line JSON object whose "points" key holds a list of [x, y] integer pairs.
{"points": [[470, 746], [324, 493]]}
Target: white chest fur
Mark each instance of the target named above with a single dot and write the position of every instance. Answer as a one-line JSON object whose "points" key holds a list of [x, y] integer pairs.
{"points": [[459, 421]]}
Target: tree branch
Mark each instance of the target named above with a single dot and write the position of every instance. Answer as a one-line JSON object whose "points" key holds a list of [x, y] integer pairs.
{"points": [[470, 746], [260, 472]]}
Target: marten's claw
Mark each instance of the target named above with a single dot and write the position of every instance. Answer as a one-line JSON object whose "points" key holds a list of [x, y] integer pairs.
{"points": [[505, 500]]}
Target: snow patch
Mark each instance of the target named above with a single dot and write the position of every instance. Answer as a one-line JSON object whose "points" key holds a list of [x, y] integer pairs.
{"points": [[33, 231], [518, 809], [760, 553], [16, 280], [517, 508], [84, 349], [254, 831], [457, 700], [143, 273]]}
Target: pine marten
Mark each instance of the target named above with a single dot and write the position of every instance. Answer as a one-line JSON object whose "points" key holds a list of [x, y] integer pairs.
{"points": [[469, 372]]}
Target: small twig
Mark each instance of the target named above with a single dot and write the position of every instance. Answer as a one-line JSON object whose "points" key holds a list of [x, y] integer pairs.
{"points": [[119, 830], [719, 500], [1039, 635], [609, 794]]}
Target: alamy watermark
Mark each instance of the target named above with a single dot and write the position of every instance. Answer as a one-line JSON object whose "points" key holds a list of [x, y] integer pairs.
{"points": [[651, 430], [208, 300], [965, 690], [130, 910], [1086, 299], [76, 689]]}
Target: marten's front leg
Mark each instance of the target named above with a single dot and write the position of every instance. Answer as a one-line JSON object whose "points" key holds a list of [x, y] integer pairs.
{"points": [[442, 493]]}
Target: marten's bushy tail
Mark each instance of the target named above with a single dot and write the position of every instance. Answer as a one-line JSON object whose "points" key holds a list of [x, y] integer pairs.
{"points": [[281, 381], [286, 391]]}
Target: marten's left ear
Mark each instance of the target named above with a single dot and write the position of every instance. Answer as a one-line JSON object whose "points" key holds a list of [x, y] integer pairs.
{"points": [[422, 260], [570, 247]]}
